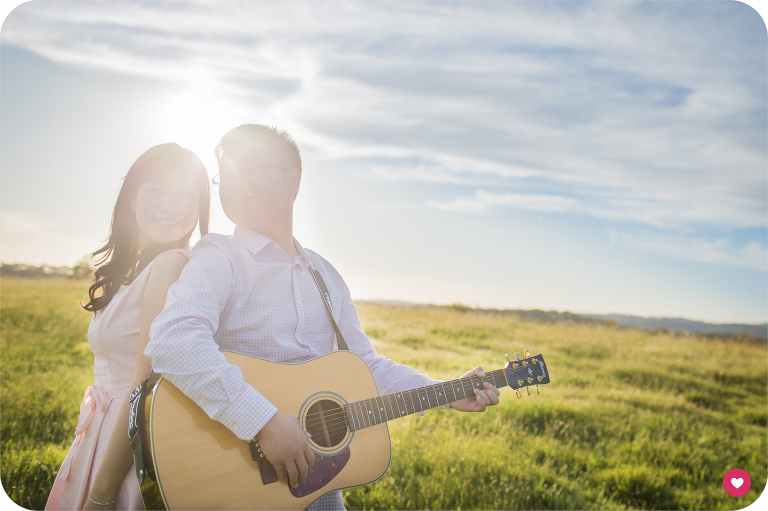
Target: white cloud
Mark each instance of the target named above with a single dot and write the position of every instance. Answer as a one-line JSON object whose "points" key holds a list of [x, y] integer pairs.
{"points": [[613, 100], [752, 255], [483, 201]]}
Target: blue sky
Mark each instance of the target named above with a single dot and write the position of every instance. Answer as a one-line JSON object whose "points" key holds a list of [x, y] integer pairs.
{"points": [[598, 157]]}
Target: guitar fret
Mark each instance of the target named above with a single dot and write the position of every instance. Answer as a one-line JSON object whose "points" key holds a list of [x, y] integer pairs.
{"points": [[414, 396], [358, 415], [453, 389], [442, 398], [350, 418], [457, 393], [366, 415], [464, 383], [368, 412], [402, 409], [404, 405], [391, 415], [380, 409], [375, 410], [413, 403], [419, 401], [460, 384], [433, 397]]}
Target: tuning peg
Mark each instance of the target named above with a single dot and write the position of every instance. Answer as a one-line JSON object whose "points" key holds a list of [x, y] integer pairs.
{"points": [[517, 355], [517, 391], [526, 353], [506, 355], [537, 390], [528, 390]]}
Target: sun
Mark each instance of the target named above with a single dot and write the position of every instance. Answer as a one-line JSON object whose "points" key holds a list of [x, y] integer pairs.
{"points": [[196, 114]]}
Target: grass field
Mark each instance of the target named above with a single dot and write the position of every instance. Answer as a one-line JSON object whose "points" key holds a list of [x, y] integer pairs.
{"points": [[631, 420]]}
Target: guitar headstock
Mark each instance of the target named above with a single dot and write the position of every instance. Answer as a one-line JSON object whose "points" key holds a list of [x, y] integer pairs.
{"points": [[526, 372]]}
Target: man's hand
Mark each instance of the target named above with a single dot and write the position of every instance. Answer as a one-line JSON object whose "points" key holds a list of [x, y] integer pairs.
{"points": [[482, 399], [285, 445]]}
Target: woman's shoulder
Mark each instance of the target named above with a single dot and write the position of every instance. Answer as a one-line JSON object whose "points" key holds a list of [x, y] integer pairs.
{"points": [[163, 262], [168, 261]]}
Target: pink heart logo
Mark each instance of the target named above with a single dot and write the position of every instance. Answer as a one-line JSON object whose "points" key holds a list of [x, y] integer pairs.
{"points": [[737, 482]]}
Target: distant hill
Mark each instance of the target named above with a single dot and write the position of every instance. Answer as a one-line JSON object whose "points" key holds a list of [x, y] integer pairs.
{"points": [[29, 271], [685, 325], [679, 325]]}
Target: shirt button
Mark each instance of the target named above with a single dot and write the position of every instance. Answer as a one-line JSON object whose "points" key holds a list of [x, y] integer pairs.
{"points": [[235, 428]]}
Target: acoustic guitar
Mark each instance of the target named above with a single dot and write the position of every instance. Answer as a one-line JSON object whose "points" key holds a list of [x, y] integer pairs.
{"points": [[185, 460]]}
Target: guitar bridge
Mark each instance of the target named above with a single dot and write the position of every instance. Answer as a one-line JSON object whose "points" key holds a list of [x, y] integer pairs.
{"points": [[266, 469]]}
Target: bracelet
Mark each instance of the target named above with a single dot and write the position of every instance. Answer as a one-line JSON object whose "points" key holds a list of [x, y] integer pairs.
{"points": [[101, 503]]}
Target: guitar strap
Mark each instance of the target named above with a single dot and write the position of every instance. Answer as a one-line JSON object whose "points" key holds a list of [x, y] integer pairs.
{"points": [[328, 305], [266, 469]]}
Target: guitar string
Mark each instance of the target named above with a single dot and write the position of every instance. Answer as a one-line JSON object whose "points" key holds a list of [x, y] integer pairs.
{"points": [[316, 418], [340, 416], [485, 379], [343, 426]]}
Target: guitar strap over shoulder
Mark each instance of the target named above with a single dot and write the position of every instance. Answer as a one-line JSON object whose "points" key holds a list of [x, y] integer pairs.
{"points": [[328, 305]]}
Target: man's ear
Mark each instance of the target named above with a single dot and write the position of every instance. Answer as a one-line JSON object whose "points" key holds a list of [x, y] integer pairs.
{"points": [[294, 177]]}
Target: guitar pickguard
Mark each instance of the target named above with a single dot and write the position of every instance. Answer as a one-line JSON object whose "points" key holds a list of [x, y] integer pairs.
{"points": [[322, 473]]}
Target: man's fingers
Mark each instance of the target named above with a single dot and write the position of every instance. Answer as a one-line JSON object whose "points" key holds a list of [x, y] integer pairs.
{"points": [[492, 388], [293, 472], [301, 464], [492, 393], [281, 473], [483, 397], [309, 456]]}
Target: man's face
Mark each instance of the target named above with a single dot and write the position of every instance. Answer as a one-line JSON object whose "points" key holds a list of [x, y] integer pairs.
{"points": [[256, 186]]}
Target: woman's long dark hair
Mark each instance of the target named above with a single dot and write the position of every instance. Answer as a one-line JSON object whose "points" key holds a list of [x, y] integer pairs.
{"points": [[120, 260]]}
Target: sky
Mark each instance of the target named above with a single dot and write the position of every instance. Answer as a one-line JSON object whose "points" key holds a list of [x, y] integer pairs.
{"points": [[591, 157]]}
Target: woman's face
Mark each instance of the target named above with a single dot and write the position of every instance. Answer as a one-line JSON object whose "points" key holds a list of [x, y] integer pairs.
{"points": [[166, 209]]}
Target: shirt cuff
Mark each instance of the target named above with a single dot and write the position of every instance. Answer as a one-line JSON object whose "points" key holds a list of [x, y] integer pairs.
{"points": [[247, 414]]}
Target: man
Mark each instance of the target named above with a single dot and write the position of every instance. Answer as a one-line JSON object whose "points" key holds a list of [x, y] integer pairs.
{"points": [[253, 293]]}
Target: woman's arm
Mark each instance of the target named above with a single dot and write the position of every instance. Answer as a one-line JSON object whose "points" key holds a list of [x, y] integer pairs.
{"points": [[165, 270]]}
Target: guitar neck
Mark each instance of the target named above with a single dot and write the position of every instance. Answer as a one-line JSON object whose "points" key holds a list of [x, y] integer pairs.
{"points": [[370, 412]]}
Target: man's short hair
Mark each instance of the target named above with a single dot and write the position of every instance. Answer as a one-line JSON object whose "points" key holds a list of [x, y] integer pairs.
{"points": [[240, 138]]}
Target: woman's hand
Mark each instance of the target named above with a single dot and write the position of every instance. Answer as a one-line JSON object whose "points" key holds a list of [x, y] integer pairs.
{"points": [[482, 398]]}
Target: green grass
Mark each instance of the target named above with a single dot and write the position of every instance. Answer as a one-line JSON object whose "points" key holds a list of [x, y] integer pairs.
{"points": [[631, 420]]}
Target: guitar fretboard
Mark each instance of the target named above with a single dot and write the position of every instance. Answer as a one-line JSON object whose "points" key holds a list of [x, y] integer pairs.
{"points": [[369, 412]]}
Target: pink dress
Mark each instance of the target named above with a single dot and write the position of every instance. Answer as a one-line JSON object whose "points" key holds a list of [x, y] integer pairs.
{"points": [[113, 336]]}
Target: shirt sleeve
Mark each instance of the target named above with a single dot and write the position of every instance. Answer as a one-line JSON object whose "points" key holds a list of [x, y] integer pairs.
{"points": [[182, 347], [389, 375]]}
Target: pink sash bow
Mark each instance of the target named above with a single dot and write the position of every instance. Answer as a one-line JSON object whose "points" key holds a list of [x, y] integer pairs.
{"points": [[97, 397]]}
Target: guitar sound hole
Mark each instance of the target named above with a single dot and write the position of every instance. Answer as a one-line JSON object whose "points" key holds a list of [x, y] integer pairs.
{"points": [[326, 421]]}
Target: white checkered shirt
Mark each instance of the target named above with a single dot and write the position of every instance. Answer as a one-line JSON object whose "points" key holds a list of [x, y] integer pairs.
{"points": [[243, 293]]}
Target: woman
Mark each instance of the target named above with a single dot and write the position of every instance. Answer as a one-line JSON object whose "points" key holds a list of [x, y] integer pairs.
{"points": [[164, 195]]}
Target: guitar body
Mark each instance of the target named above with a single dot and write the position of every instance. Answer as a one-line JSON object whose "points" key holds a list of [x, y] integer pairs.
{"points": [[200, 464]]}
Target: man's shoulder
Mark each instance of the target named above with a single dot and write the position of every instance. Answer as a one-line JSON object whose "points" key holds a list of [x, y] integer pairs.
{"points": [[322, 264], [213, 239], [214, 245]]}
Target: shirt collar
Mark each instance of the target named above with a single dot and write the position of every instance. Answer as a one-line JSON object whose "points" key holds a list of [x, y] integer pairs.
{"points": [[251, 240], [255, 242]]}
